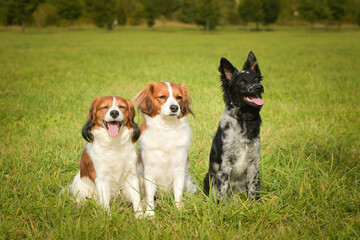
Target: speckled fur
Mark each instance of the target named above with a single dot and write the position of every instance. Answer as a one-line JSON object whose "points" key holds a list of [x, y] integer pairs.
{"points": [[235, 151]]}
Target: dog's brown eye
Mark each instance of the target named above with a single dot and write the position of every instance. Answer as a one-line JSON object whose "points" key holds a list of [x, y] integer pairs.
{"points": [[242, 83], [179, 97], [106, 107], [162, 97], [122, 107]]}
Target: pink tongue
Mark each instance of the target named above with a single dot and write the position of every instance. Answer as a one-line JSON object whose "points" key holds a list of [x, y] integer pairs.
{"points": [[257, 101], [113, 128]]}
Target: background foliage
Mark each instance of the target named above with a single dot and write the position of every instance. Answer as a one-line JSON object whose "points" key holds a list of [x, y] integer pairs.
{"points": [[205, 13]]}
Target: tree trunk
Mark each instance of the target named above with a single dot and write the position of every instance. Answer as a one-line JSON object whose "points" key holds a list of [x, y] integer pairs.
{"points": [[207, 25], [326, 25], [257, 26], [164, 22], [22, 26]]}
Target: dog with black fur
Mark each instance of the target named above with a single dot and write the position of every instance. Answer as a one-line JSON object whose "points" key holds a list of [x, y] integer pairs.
{"points": [[235, 151]]}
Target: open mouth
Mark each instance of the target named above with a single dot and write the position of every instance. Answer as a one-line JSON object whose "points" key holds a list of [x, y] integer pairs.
{"points": [[254, 99], [112, 127]]}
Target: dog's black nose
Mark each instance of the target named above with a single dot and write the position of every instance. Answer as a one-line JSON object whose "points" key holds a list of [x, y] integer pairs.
{"points": [[174, 108], [114, 113], [259, 88]]}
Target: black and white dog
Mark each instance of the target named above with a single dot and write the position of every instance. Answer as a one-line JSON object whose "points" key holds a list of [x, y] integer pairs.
{"points": [[235, 151]]}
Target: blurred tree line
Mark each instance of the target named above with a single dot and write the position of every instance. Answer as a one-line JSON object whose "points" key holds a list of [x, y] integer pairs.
{"points": [[205, 13]]}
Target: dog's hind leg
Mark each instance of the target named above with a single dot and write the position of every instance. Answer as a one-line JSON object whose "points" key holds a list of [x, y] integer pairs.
{"points": [[82, 188], [207, 181], [189, 186]]}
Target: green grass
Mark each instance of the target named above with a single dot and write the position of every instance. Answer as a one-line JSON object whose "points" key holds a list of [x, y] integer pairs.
{"points": [[310, 134]]}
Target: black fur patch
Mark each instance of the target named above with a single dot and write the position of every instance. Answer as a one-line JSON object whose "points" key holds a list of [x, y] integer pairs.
{"points": [[136, 132], [86, 130]]}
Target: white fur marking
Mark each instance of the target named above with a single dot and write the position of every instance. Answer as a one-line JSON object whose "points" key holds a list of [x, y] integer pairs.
{"points": [[165, 109], [109, 118]]}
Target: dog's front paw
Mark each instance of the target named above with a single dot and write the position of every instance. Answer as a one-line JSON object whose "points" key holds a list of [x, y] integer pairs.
{"points": [[139, 215], [180, 205], [149, 214], [108, 213]]}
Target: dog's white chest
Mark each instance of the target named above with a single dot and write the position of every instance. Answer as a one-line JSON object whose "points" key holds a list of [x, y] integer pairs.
{"points": [[235, 152], [166, 135], [164, 146], [112, 157], [238, 151]]}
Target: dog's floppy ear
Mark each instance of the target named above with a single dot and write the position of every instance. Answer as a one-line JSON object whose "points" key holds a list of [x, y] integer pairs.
{"points": [[226, 69], [131, 124], [86, 130], [143, 100], [131, 116], [252, 64], [136, 132], [185, 106]]}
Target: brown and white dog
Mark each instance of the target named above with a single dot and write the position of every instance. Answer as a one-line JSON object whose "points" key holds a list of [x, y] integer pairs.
{"points": [[165, 141], [108, 163]]}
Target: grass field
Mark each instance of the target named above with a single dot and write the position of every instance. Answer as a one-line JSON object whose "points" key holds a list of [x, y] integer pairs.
{"points": [[310, 133]]}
